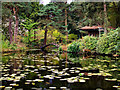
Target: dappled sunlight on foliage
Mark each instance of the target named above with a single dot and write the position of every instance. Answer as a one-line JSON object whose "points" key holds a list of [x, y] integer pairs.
{"points": [[88, 42], [109, 43]]}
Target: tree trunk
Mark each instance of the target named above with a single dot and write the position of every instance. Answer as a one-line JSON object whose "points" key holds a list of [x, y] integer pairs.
{"points": [[16, 24], [34, 35], [16, 29], [10, 30], [29, 37], [105, 19], [66, 29], [66, 24], [45, 36]]}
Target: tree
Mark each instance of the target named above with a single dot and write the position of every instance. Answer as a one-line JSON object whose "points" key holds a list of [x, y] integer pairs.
{"points": [[49, 16], [29, 25], [18, 8], [84, 14], [66, 29], [113, 13], [30, 18], [15, 10], [8, 15], [105, 19]]}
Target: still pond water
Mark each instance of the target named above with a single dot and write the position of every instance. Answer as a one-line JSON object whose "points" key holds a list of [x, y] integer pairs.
{"points": [[37, 70]]}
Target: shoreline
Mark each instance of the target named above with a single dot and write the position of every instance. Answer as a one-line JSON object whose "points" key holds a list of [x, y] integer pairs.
{"points": [[80, 53]]}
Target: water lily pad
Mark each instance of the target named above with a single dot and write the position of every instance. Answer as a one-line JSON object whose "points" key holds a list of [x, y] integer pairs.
{"points": [[6, 75], [8, 88], [16, 80], [33, 83], [116, 86], [86, 78], [71, 70], [63, 88], [111, 79], [63, 79], [58, 77], [14, 84], [27, 82], [38, 80], [52, 87], [99, 89], [77, 71], [2, 86], [81, 74], [118, 80], [81, 80]]}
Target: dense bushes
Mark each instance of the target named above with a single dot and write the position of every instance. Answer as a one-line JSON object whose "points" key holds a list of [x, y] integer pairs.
{"points": [[72, 37], [88, 42], [107, 44], [74, 47], [60, 48], [110, 43], [7, 45]]}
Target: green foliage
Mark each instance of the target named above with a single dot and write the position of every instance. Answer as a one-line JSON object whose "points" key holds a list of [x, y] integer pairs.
{"points": [[109, 43], [88, 42], [56, 33], [30, 35], [50, 14], [53, 36], [5, 44], [85, 14], [114, 13], [13, 46], [72, 37], [29, 24], [60, 48], [74, 47]]}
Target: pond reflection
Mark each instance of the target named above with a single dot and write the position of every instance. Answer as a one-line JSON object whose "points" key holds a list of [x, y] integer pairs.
{"points": [[40, 70]]}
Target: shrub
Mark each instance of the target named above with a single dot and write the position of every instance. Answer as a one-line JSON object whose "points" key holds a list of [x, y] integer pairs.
{"points": [[109, 43], [13, 46], [60, 48], [5, 44], [88, 42], [74, 47], [72, 37]]}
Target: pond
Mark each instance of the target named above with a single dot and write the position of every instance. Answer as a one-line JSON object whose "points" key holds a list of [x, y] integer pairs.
{"points": [[37, 70]]}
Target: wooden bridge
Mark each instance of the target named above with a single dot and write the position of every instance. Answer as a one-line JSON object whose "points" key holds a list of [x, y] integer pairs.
{"points": [[44, 46]]}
